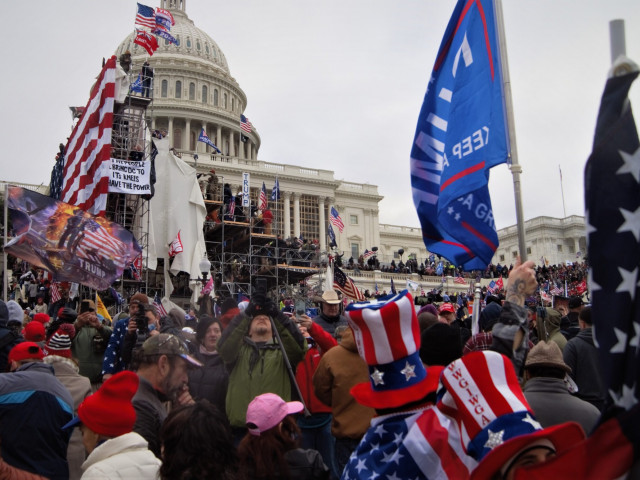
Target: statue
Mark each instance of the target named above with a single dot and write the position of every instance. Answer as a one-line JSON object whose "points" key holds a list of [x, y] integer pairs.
{"points": [[125, 61]]}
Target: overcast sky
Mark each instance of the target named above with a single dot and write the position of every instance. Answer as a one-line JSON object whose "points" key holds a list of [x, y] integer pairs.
{"points": [[336, 84]]}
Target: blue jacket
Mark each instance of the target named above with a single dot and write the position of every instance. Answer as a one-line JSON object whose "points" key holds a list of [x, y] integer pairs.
{"points": [[34, 406]]}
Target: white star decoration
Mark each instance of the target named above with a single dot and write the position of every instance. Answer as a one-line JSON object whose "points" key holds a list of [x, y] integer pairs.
{"points": [[495, 439], [622, 341], [393, 477], [360, 466], [635, 341], [631, 222], [631, 164], [450, 210], [408, 371], [374, 475], [629, 281], [380, 430], [627, 399], [377, 377], [528, 419]]}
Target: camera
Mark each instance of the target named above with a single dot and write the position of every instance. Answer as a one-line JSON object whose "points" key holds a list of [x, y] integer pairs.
{"points": [[142, 323]]}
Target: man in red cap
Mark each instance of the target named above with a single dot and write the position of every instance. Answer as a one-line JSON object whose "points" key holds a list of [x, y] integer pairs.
{"points": [[34, 406]]}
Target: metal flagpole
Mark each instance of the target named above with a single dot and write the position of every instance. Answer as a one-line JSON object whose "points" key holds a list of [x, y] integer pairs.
{"points": [[562, 192], [515, 167], [5, 265]]}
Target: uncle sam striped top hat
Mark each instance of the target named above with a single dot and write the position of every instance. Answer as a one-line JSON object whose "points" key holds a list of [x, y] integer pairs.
{"points": [[496, 423], [387, 335]]}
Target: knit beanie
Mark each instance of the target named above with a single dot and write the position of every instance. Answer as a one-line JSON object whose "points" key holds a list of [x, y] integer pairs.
{"points": [[16, 314], [60, 342], [34, 331], [140, 298], [109, 411], [41, 318]]}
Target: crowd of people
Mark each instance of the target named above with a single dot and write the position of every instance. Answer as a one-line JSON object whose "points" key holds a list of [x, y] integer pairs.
{"points": [[380, 389]]}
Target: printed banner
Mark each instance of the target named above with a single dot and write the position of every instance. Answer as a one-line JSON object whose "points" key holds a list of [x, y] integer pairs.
{"points": [[72, 244], [127, 176], [246, 183]]}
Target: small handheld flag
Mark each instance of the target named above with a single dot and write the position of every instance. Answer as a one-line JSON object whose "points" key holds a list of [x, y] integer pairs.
{"points": [[176, 246]]}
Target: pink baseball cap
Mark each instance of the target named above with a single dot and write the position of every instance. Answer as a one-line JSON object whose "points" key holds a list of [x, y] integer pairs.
{"points": [[268, 410]]}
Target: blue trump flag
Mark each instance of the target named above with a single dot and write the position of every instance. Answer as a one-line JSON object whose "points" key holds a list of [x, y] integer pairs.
{"points": [[205, 139], [137, 85], [461, 134]]}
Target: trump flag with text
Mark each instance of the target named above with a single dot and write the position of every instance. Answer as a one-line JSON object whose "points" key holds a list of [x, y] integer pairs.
{"points": [[461, 134]]}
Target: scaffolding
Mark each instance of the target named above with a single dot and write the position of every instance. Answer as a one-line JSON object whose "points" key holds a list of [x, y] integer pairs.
{"points": [[245, 252]]}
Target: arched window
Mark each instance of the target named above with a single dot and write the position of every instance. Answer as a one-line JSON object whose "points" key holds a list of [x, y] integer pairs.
{"points": [[164, 88], [205, 94], [198, 45], [224, 101], [166, 41], [188, 42], [215, 97], [178, 89], [233, 104], [206, 48], [192, 91]]}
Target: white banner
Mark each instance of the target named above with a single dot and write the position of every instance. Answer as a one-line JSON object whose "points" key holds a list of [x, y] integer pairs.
{"points": [[246, 198], [128, 176]]}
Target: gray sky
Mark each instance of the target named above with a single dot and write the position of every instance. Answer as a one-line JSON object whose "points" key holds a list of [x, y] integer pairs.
{"points": [[336, 84]]}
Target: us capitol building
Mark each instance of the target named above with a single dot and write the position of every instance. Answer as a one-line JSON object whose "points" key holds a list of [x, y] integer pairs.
{"points": [[193, 89]]}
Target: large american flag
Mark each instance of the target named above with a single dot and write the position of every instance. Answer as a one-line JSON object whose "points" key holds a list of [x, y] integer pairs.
{"points": [[612, 204], [96, 242], [335, 220], [85, 181], [146, 16], [262, 201], [245, 124], [345, 285]]}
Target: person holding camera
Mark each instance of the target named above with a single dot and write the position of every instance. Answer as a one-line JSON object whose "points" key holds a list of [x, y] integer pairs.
{"points": [[113, 362], [142, 325], [255, 359], [90, 343]]}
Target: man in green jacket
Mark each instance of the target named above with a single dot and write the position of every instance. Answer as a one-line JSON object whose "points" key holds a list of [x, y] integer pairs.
{"points": [[254, 358], [90, 343]]}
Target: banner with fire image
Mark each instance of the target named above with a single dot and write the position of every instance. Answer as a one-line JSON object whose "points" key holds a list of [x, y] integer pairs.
{"points": [[67, 241]]}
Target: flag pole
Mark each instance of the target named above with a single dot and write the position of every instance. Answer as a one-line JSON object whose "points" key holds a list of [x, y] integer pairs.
{"points": [[5, 265], [515, 167], [564, 209]]}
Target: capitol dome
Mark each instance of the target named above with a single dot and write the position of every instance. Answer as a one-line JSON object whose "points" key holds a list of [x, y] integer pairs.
{"points": [[193, 89]]}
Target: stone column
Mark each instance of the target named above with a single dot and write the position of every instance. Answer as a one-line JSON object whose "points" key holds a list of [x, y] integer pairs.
{"points": [[323, 227], [218, 141], [170, 131], [232, 147], [286, 227], [296, 214], [186, 141]]}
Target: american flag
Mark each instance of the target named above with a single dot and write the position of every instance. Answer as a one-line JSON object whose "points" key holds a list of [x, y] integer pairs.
{"points": [[176, 247], [556, 291], [146, 16], [96, 241], [612, 204], [335, 220], [345, 285], [368, 253], [245, 124], [262, 201], [54, 292], [410, 445], [459, 280], [162, 312], [492, 287], [85, 179], [232, 206]]}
